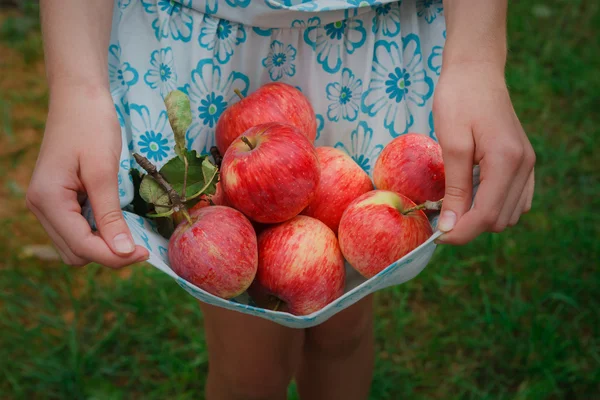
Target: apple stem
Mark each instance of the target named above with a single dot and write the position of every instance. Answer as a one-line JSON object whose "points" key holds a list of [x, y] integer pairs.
{"points": [[178, 206], [248, 143], [427, 205], [277, 305], [240, 95], [216, 154]]}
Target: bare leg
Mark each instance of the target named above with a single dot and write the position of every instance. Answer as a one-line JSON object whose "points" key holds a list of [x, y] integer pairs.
{"points": [[338, 356], [249, 357]]}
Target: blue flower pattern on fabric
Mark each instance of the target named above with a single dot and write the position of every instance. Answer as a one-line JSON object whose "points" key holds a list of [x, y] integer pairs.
{"points": [[120, 184], [429, 9], [312, 22], [125, 182], [280, 60], [121, 74], [263, 32], [123, 4], [387, 20], [210, 6], [164, 253], [362, 3], [210, 109], [361, 147], [300, 5], [120, 116], [238, 3], [331, 40], [154, 139], [137, 225], [320, 125], [209, 94], [432, 127], [162, 74], [173, 18], [344, 96], [221, 36], [395, 91], [435, 58]]}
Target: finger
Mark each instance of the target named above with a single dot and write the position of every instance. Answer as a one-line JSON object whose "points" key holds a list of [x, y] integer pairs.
{"points": [[510, 207], [457, 154], [102, 187], [516, 215], [65, 252], [83, 242], [518, 186], [530, 191], [496, 177], [77, 233]]}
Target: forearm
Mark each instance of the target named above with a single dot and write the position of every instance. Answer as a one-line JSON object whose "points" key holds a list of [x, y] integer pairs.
{"points": [[475, 31], [76, 36]]}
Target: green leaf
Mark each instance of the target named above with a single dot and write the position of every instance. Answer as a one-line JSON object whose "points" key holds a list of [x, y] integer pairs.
{"points": [[199, 170], [152, 192], [161, 215], [180, 118], [209, 171]]}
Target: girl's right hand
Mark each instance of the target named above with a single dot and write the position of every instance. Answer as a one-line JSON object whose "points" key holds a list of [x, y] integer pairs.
{"points": [[79, 157]]}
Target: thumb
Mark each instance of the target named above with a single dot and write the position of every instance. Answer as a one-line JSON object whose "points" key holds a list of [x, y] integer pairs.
{"points": [[102, 187], [457, 152]]}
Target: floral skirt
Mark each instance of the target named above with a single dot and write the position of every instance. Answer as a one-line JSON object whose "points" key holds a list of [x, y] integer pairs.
{"points": [[368, 69]]}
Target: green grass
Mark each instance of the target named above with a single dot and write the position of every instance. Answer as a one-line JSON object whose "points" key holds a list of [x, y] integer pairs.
{"points": [[509, 316]]}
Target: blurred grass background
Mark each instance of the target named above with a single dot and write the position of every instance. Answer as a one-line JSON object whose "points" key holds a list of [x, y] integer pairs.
{"points": [[510, 316]]}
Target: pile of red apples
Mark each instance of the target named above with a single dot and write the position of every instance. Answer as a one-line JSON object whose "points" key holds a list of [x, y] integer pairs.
{"points": [[287, 215]]}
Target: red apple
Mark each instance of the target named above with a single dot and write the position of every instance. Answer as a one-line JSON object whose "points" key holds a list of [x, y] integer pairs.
{"points": [[217, 199], [342, 181], [412, 165], [300, 264], [218, 252], [270, 173], [273, 102], [374, 232]]}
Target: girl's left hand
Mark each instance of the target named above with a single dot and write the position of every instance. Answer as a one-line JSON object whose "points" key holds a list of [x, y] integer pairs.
{"points": [[476, 124]]}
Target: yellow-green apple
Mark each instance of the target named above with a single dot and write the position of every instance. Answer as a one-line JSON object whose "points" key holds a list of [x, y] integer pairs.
{"points": [[216, 252], [300, 265], [342, 181], [272, 102], [412, 165], [374, 231], [270, 173]]}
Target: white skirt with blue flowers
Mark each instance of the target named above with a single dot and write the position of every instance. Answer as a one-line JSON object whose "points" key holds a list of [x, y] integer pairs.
{"points": [[368, 67]]}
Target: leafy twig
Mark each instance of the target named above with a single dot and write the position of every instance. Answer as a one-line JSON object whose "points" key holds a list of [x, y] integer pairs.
{"points": [[151, 169]]}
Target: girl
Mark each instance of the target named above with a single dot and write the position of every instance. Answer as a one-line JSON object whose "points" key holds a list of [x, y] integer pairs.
{"points": [[372, 70]]}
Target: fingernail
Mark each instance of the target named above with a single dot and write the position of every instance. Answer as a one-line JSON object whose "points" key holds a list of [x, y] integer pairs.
{"points": [[447, 221], [123, 244]]}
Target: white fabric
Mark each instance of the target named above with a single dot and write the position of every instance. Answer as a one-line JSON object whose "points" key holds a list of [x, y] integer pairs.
{"points": [[369, 69]]}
